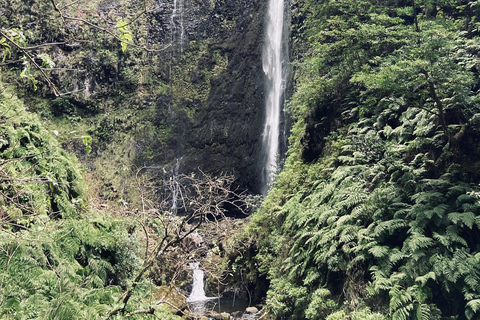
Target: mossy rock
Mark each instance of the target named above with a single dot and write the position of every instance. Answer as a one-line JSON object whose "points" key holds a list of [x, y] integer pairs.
{"points": [[174, 300]]}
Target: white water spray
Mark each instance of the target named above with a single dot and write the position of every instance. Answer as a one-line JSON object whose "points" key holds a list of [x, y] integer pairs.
{"points": [[273, 68], [198, 292]]}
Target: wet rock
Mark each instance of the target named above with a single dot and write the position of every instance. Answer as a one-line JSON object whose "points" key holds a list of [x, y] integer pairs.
{"points": [[107, 5], [219, 316], [139, 146], [225, 316], [193, 241], [224, 133]]}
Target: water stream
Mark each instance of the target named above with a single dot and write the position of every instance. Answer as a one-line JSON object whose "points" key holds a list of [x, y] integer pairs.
{"points": [[273, 66], [198, 291], [176, 19], [175, 187], [201, 305]]}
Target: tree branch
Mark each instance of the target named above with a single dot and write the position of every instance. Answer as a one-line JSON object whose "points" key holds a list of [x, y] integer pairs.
{"points": [[32, 60], [66, 17]]}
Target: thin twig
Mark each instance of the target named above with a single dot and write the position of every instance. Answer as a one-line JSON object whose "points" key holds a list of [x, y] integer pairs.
{"points": [[43, 45], [68, 5], [32, 60], [64, 69]]}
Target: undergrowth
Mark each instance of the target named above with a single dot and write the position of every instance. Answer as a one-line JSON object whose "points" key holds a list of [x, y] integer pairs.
{"points": [[377, 210]]}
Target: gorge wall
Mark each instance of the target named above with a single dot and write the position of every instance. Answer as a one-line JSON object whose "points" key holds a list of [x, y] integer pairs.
{"points": [[188, 90], [217, 125]]}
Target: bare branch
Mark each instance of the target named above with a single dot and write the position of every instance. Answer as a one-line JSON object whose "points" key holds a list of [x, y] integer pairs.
{"points": [[68, 5], [64, 69], [195, 198], [43, 45]]}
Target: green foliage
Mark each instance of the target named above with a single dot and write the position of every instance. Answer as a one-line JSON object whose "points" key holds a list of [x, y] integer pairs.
{"points": [[37, 176], [58, 260], [125, 34], [377, 205], [321, 305], [65, 271], [87, 142], [355, 315]]}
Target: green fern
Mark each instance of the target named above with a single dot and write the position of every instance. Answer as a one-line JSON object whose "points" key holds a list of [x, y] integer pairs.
{"points": [[462, 219]]}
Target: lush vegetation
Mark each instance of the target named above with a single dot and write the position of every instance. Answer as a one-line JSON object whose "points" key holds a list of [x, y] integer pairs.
{"points": [[61, 256], [375, 215], [101, 239], [377, 208], [64, 255]]}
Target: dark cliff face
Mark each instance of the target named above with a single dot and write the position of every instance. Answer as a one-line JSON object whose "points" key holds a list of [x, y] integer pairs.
{"points": [[196, 100], [223, 134]]}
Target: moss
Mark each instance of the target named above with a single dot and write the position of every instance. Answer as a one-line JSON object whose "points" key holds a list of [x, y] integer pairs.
{"points": [[174, 301], [190, 79]]}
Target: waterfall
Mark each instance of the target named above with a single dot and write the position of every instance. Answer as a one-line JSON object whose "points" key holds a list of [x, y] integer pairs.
{"points": [[272, 61], [198, 293], [176, 19], [175, 188]]}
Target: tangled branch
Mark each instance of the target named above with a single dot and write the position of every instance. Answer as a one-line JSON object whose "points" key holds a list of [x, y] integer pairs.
{"points": [[197, 200]]}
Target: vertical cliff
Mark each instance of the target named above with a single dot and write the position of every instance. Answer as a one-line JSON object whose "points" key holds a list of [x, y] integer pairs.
{"points": [[188, 87], [213, 104]]}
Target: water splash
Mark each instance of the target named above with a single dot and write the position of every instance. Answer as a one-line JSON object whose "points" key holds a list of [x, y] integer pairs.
{"points": [[272, 61], [198, 292]]}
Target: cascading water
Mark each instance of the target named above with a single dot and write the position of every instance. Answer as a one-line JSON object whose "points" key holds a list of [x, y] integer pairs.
{"points": [[273, 62], [198, 292], [175, 188], [176, 19], [200, 304]]}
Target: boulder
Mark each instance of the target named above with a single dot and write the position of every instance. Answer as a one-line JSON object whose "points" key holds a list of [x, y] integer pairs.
{"points": [[251, 310]]}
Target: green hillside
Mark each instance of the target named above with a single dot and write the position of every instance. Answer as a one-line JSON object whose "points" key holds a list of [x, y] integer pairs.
{"points": [[376, 210]]}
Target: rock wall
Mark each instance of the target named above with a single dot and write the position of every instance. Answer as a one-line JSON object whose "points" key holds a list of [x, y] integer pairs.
{"points": [[223, 135], [197, 100]]}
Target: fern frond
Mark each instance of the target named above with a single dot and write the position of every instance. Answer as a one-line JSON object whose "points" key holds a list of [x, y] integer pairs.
{"points": [[379, 251], [428, 197], [453, 237], [417, 241], [440, 209], [344, 220], [463, 198], [423, 312], [423, 279], [348, 234], [461, 219], [474, 305], [397, 255], [400, 303]]}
